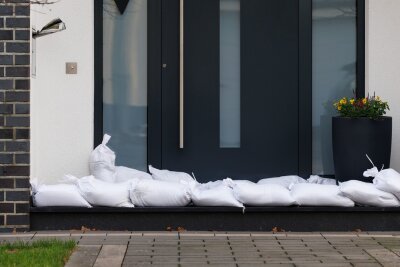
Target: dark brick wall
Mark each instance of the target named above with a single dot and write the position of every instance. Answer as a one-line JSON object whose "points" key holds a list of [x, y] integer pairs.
{"points": [[14, 114]]}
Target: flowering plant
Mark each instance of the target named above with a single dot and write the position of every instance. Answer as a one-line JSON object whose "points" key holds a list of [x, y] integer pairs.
{"points": [[370, 107]]}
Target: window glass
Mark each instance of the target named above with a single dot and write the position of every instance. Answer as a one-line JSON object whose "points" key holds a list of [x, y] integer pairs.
{"points": [[334, 71], [125, 81], [229, 73]]}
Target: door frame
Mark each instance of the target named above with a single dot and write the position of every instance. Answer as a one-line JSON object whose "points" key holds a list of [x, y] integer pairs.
{"points": [[155, 83]]}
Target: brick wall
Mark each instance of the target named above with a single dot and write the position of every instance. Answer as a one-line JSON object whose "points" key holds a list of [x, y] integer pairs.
{"points": [[14, 114]]}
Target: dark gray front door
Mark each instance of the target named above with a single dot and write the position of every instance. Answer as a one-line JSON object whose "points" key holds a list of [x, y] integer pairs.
{"points": [[265, 132]]}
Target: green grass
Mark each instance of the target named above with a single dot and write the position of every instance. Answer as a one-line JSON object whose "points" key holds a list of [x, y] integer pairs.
{"points": [[42, 253]]}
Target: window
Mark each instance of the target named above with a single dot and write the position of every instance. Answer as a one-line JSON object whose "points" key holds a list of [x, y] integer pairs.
{"points": [[334, 71], [125, 81]]}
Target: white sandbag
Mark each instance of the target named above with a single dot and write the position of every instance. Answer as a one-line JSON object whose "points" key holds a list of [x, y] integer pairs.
{"points": [[221, 195], [58, 195], [211, 184], [367, 194], [285, 181], [387, 180], [306, 194], [232, 183], [100, 193], [263, 194], [123, 174], [171, 176], [147, 192], [102, 161], [315, 179], [228, 182]]}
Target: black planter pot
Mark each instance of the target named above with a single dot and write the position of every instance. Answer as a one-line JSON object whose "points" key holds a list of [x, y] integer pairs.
{"points": [[353, 138]]}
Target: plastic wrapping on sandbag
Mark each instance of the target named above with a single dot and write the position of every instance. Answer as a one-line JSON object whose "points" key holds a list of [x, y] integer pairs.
{"points": [[34, 184], [263, 194], [227, 181], [209, 185], [58, 195], [147, 192], [232, 183], [123, 174], [316, 179], [387, 180], [102, 161], [367, 194], [220, 195], [100, 193], [285, 181], [306, 194], [171, 176]]}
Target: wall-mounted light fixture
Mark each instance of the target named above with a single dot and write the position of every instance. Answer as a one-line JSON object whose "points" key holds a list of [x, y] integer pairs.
{"points": [[56, 25]]}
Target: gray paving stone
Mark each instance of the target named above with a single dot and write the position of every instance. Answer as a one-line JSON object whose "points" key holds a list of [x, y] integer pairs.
{"points": [[89, 242], [14, 239], [115, 242], [222, 259], [17, 235], [118, 237], [383, 233], [194, 260], [120, 233], [165, 263], [52, 234], [84, 256], [366, 264], [161, 234], [94, 233], [324, 264], [202, 265], [269, 265], [126, 264], [137, 258], [196, 233], [110, 255], [385, 257]]}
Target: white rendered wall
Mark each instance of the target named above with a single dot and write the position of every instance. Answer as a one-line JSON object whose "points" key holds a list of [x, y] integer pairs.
{"points": [[61, 104], [383, 61]]}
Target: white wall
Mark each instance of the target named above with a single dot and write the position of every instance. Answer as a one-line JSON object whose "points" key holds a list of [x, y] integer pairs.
{"points": [[383, 61], [61, 104]]}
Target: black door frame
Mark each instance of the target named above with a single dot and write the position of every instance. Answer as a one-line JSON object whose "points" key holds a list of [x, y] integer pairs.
{"points": [[155, 81]]}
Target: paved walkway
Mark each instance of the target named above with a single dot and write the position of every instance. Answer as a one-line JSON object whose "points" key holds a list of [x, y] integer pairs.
{"points": [[226, 249]]}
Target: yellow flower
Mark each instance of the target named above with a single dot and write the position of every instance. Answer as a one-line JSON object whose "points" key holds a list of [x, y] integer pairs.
{"points": [[378, 98], [339, 107], [364, 100], [352, 101], [343, 101]]}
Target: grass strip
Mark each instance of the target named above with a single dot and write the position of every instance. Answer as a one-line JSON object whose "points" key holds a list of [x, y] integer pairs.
{"points": [[41, 253]]}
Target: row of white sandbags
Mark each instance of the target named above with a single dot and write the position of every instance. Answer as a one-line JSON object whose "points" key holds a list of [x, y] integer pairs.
{"points": [[117, 186], [168, 190], [89, 191]]}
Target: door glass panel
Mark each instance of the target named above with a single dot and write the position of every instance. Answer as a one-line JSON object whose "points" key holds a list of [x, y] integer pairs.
{"points": [[334, 71], [125, 81], [230, 73]]}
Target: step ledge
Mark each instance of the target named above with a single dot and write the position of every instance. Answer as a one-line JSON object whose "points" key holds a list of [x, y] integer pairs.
{"points": [[193, 209]]}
